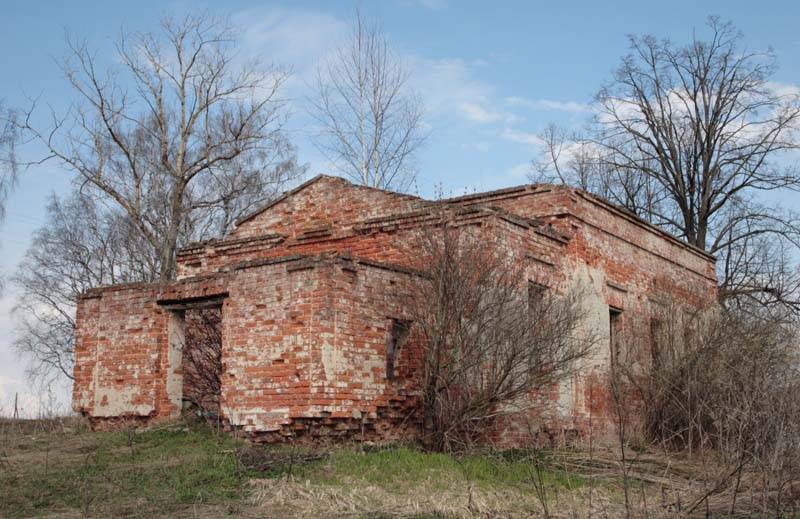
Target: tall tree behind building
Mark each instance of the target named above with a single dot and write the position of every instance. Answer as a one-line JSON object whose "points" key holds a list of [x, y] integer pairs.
{"points": [[370, 121], [180, 133], [689, 137], [172, 147]]}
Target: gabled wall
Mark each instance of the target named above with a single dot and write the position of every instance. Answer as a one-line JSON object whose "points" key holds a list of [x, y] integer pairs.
{"points": [[325, 204]]}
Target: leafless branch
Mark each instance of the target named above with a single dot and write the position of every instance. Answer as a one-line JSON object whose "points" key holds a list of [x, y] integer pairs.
{"points": [[490, 340], [687, 136], [370, 122]]}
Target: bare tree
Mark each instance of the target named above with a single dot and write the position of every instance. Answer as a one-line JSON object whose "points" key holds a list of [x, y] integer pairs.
{"points": [[702, 121], [9, 137], [195, 146], [81, 247], [574, 159], [688, 136], [490, 340], [8, 157], [370, 120], [178, 132]]}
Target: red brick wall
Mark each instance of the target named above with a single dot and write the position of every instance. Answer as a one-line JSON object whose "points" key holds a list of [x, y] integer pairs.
{"points": [[391, 240], [628, 265], [624, 236], [327, 203], [305, 338], [121, 355], [304, 350]]}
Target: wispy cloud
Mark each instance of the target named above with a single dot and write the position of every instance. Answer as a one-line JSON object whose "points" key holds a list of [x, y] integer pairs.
{"points": [[436, 5], [447, 84], [299, 39], [549, 104], [530, 139], [786, 90], [519, 172], [477, 113], [453, 89], [294, 38]]}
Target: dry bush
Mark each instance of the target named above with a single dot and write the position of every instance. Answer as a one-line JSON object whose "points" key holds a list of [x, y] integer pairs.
{"points": [[490, 336], [724, 389]]}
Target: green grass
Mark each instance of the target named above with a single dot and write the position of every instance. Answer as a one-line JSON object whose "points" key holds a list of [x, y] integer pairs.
{"points": [[134, 475], [396, 466]]}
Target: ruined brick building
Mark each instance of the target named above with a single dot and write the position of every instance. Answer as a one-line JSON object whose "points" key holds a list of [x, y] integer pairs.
{"points": [[306, 287]]}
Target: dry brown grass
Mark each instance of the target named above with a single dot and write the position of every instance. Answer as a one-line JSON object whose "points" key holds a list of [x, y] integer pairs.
{"points": [[288, 497]]}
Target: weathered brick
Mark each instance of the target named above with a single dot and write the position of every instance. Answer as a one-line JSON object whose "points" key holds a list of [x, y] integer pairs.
{"points": [[308, 287]]}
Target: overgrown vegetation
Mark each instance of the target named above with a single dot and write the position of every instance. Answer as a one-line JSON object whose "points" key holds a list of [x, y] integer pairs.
{"points": [[58, 468], [490, 336], [720, 388]]}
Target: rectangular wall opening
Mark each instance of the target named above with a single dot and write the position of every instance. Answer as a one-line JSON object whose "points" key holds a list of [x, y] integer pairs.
{"points": [[615, 334], [202, 361], [399, 332], [194, 376]]}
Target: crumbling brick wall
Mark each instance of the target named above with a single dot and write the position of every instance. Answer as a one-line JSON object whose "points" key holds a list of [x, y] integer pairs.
{"points": [[122, 357], [309, 288], [305, 343], [327, 205]]}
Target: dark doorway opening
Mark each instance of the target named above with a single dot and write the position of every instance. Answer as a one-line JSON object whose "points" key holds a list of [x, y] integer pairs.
{"points": [[202, 361]]}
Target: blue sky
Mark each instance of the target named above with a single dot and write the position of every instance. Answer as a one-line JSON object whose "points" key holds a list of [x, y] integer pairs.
{"points": [[492, 75]]}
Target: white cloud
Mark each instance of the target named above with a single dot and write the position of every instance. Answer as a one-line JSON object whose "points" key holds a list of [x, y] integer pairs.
{"points": [[30, 405], [436, 5], [530, 139], [446, 84], [450, 87], [519, 172], [32, 400], [477, 113], [784, 89], [549, 104], [294, 38], [292, 35], [299, 39], [481, 145]]}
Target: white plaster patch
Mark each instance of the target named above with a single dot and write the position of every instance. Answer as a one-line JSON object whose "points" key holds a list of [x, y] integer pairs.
{"points": [[593, 328], [177, 338], [110, 402], [331, 360]]}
